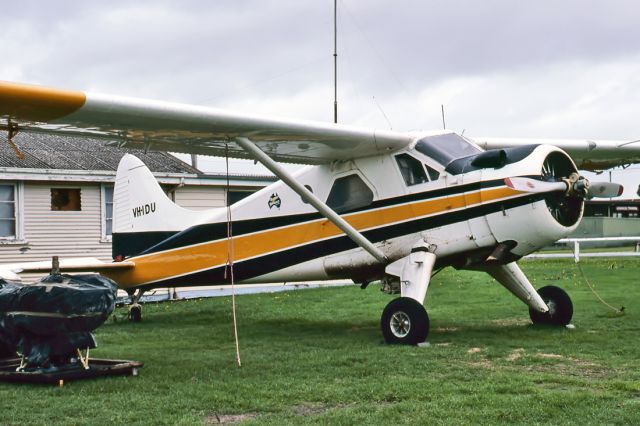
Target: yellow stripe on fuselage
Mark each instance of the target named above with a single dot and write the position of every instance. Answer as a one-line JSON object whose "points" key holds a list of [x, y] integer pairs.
{"points": [[24, 102], [184, 260]]}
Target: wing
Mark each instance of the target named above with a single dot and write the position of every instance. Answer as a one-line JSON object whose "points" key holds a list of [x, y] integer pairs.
{"points": [[185, 128], [588, 154]]}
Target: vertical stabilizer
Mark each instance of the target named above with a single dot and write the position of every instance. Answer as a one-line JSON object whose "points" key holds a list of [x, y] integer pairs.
{"points": [[143, 215]]}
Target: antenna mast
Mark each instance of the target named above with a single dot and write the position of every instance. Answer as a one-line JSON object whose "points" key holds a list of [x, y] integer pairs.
{"points": [[335, 61]]}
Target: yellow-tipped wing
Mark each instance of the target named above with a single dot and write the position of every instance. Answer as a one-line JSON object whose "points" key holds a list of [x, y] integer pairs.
{"points": [[175, 127], [186, 128]]}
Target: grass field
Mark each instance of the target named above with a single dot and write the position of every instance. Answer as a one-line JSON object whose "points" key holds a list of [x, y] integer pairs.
{"points": [[316, 356]]}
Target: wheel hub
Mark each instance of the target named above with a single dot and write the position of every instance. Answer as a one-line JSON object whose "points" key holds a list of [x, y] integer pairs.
{"points": [[552, 307], [400, 324]]}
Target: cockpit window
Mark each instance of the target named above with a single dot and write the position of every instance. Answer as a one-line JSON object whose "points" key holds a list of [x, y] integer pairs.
{"points": [[412, 171], [446, 148], [349, 193]]}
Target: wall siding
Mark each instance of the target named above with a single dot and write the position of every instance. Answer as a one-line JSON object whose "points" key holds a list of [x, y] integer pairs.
{"points": [[200, 197]]}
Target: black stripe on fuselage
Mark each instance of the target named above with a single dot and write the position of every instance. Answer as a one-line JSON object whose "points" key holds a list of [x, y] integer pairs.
{"points": [[214, 231], [275, 261]]}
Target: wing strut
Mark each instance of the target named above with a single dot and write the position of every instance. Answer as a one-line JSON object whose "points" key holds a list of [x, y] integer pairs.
{"points": [[308, 196]]}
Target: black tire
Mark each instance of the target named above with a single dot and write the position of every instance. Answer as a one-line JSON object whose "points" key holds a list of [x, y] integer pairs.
{"points": [[560, 307], [404, 321], [135, 313]]}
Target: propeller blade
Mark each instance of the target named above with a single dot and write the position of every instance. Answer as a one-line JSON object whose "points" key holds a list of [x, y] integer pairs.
{"points": [[532, 185], [604, 190]]}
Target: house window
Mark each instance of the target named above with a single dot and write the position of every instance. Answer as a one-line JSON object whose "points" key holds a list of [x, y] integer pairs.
{"points": [[349, 193], [235, 196], [8, 217], [65, 199], [107, 211]]}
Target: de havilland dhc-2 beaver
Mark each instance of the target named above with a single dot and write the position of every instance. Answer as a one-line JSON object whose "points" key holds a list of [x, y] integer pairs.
{"points": [[372, 205]]}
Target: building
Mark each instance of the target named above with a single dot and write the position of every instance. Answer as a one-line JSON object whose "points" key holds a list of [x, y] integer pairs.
{"points": [[609, 218], [612, 208], [56, 194]]}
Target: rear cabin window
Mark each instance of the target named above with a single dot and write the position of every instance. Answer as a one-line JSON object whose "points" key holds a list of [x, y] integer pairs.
{"points": [[349, 193], [411, 169]]}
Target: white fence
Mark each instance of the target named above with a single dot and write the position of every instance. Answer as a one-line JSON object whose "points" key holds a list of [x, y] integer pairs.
{"points": [[576, 248]]}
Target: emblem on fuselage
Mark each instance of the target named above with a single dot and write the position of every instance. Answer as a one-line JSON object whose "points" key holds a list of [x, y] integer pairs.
{"points": [[274, 201]]}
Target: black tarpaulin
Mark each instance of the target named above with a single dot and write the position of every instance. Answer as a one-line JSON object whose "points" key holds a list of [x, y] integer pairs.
{"points": [[47, 321]]}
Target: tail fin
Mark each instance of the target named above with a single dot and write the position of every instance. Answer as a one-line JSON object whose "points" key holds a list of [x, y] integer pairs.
{"points": [[142, 213]]}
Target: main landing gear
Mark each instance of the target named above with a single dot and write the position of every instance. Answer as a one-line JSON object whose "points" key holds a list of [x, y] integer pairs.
{"points": [[560, 307], [404, 321]]}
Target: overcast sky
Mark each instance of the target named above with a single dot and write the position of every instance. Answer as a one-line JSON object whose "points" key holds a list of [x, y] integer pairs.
{"points": [[503, 68]]}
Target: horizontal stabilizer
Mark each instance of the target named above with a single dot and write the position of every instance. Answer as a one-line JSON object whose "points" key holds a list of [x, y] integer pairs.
{"points": [[78, 264]]}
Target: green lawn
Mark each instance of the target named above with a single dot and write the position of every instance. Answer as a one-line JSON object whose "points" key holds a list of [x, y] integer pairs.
{"points": [[316, 356]]}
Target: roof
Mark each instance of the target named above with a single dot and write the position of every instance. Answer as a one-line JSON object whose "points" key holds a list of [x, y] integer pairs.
{"points": [[53, 152]]}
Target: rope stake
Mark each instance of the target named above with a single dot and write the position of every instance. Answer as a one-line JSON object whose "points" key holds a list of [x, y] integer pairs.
{"points": [[584, 277]]}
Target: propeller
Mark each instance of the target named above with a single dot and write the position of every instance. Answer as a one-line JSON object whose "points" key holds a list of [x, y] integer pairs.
{"points": [[535, 186], [575, 185], [604, 190]]}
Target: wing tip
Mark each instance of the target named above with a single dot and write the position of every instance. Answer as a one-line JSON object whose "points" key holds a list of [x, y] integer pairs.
{"points": [[37, 103]]}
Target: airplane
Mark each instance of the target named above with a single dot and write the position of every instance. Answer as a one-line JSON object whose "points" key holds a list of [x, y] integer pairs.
{"points": [[370, 206]]}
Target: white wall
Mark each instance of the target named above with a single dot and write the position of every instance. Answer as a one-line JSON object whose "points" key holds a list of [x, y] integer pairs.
{"points": [[200, 197], [62, 233]]}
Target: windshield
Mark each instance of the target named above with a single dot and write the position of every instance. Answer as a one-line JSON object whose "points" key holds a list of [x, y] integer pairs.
{"points": [[446, 148]]}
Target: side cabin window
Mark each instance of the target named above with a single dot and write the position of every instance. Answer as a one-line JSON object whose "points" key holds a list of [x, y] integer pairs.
{"points": [[433, 173], [411, 169], [349, 193]]}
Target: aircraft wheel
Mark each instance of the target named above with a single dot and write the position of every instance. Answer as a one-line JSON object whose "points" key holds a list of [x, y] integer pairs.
{"points": [[404, 321], [560, 307], [135, 313]]}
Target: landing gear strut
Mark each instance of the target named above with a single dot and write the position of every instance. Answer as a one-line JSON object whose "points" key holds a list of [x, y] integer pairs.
{"points": [[560, 307], [135, 310]]}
